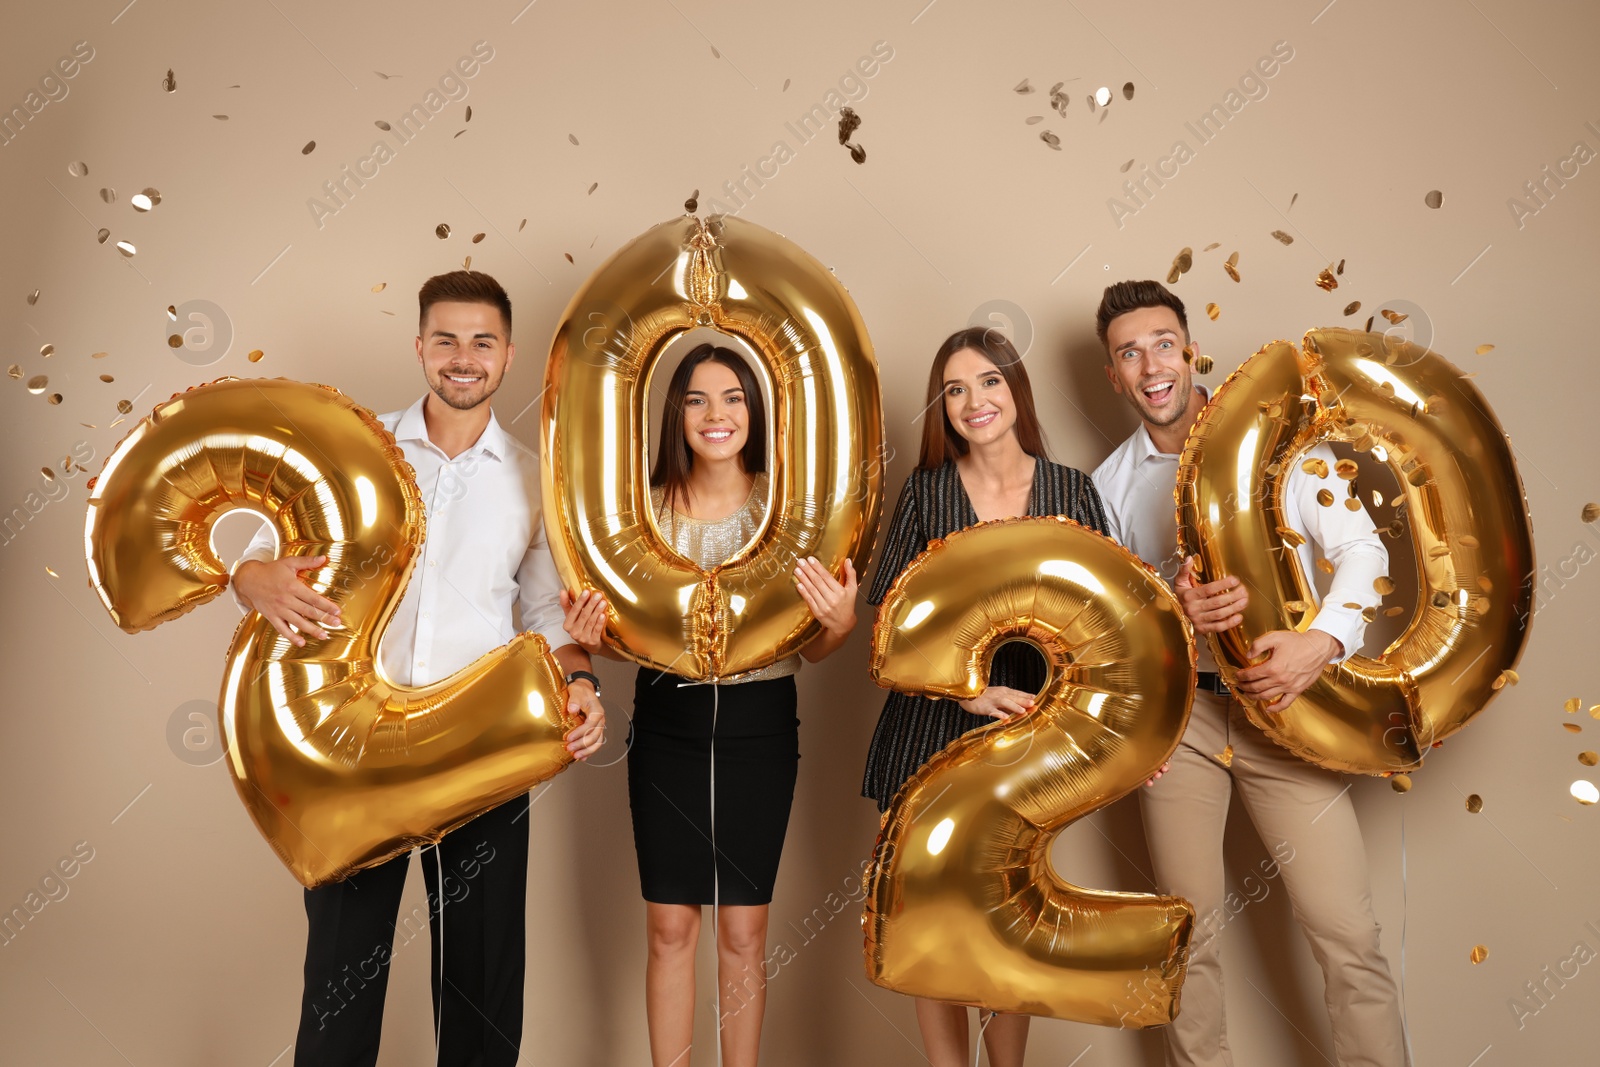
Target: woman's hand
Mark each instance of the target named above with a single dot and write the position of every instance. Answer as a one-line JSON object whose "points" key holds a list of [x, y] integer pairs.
{"points": [[998, 702], [585, 620], [832, 603]]}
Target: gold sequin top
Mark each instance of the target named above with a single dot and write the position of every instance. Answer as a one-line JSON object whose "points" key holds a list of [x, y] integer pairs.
{"points": [[711, 543]]}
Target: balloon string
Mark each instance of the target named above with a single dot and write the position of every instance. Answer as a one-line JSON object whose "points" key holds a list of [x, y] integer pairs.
{"points": [[1405, 916], [438, 1026], [977, 1053], [716, 906]]}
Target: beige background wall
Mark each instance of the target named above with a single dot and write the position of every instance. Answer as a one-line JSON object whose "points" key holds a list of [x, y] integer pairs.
{"points": [[179, 942]]}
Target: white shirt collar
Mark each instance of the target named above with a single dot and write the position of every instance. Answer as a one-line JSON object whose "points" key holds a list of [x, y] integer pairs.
{"points": [[1144, 447], [413, 426]]}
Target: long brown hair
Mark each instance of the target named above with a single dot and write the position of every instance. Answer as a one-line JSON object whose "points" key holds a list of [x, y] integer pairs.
{"points": [[674, 458], [940, 441]]}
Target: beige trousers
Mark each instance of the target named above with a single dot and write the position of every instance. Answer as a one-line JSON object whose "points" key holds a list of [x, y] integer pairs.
{"points": [[1308, 825]]}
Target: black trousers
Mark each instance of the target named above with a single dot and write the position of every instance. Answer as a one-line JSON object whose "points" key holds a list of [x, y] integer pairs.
{"points": [[480, 913]]}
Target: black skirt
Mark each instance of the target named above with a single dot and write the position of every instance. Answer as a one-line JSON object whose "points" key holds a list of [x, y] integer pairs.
{"points": [[756, 736]]}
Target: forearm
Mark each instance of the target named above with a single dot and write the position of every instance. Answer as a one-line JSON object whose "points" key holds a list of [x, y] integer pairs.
{"points": [[573, 657], [826, 644]]}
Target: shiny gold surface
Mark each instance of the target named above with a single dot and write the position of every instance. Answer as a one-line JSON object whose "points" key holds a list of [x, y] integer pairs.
{"points": [[1463, 503], [339, 767], [962, 903], [827, 471]]}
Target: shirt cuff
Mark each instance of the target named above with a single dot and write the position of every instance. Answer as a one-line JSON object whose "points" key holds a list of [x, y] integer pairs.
{"points": [[1343, 625], [262, 556]]}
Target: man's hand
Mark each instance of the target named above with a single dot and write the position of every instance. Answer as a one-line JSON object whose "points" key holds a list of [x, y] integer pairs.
{"points": [[585, 739], [275, 589], [1294, 661], [998, 702], [1213, 607]]}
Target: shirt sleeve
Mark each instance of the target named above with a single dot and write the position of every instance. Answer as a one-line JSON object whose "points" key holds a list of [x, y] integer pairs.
{"points": [[1087, 508], [539, 591], [1113, 528], [905, 540], [1349, 541], [263, 548]]}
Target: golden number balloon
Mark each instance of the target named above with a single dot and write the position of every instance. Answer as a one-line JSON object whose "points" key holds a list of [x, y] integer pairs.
{"points": [[962, 903], [662, 610], [339, 767], [1412, 411]]}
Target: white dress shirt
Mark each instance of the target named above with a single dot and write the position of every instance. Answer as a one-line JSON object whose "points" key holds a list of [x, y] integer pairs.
{"points": [[1136, 484], [485, 555]]}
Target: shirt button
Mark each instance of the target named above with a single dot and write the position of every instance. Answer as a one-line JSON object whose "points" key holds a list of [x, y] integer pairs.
{"points": [[433, 563]]}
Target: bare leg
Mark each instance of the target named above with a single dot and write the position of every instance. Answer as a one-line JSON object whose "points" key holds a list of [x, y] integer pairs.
{"points": [[673, 931], [741, 977], [944, 1032], [1005, 1039]]}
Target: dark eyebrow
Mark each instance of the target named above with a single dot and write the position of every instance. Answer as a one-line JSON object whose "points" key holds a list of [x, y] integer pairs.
{"points": [[1158, 333], [476, 336]]}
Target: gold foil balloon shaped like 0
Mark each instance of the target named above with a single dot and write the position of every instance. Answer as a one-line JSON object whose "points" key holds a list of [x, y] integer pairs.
{"points": [[827, 432], [962, 902], [339, 767], [1464, 504]]}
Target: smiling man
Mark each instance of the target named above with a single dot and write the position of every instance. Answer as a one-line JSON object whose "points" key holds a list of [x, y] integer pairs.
{"points": [[485, 561], [1302, 812]]}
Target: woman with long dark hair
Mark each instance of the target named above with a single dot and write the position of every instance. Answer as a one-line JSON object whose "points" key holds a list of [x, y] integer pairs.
{"points": [[983, 458], [711, 767]]}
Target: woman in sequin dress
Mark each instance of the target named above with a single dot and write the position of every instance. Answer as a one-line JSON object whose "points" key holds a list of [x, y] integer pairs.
{"points": [[713, 763], [983, 458]]}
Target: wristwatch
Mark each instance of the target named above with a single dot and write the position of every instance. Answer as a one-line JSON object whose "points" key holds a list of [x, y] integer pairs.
{"points": [[586, 676]]}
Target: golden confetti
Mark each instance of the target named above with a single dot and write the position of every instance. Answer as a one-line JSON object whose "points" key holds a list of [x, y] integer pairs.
{"points": [[1400, 783], [37, 384], [53, 399], [1395, 318], [169, 83], [50, 572], [1292, 199], [785, 86], [1274, 469], [1377, 498], [1340, 268], [1022, 87], [1572, 728], [1441, 600], [125, 406], [127, 249], [1230, 268], [690, 206], [1352, 605], [146, 200], [1484, 350], [1383, 585], [224, 118], [592, 188], [100, 238], [466, 264], [47, 351], [1594, 712], [49, 475], [1507, 676], [108, 379], [33, 298], [1590, 512], [442, 230], [100, 355], [572, 137], [1282, 237], [1584, 792], [1326, 280], [77, 170], [174, 340], [384, 126], [478, 237], [1572, 705], [1055, 142], [1588, 759], [522, 225], [1325, 566], [1225, 757], [380, 287], [1291, 537], [1212, 311], [311, 146], [469, 112], [1352, 307], [1434, 198], [1126, 166], [1314, 466], [1203, 364], [1352, 504], [1467, 541], [1474, 803], [255, 355], [1299, 607], [1396, 610], [108, 195], [1325, 498], [569, 257], [14, 371], [1347, 469], [1396, 528], [1127, 91], [1479, 952], [1485, 584], [1369, 614]]}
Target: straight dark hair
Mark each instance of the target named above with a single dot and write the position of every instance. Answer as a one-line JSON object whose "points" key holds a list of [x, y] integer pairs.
{"points": [[940, 441], [463, 287], [1123, 297], [674, 458]]}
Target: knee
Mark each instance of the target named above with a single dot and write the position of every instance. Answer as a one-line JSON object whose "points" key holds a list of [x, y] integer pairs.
{"points": [[745, 939], [674, 932]]}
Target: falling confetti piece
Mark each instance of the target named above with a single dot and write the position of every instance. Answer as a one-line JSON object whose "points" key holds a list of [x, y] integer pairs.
{"points": [[255, 355], [1383, 585], [1317, 467], [1033, 120], [1588, 759], [1488, 587], [380, 287], [51, 573], [1282, 237], [1352, 605], [785, 86], [1572, 728], [311, 146], [1326, 281], [572, 137], [1484, 350], [690, 206], [1290, 536], [110, 426], [466, 264], [1023, 87], [174, 340], [1377, 499], [1325, 498], [1584, 792], [1474, 803], [1467, 541], [384, 126], [458, 134], [714, 53], [379, 73], [1479, 953], [521, 225], [14, 371], [169, 83], [1346, 469], [592, 188], [1590, 512], [858, 153], [47, 351], [1225, 757], [388, 313], [38, 383], [1507, 677], [1203, 364], [1400, 783], [1434, 198], [1292, 199], [1352, 307], [1102, 96], [1213, 244], [1127, 91], [569, 257], [1050, 139], [1212, 311], [1299, 607], [125, 406], [33, 298], [1396, 610], [442, 230], [103, 235], [469, 112], [53, 399], [1325, 566], [1441, 600], [1232, 266], [146, 200], [1340, 268], [127, 249], [1395, 318], [1059, 100], [223, 118], [108, 379], [78, 170], [100, 355]]}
